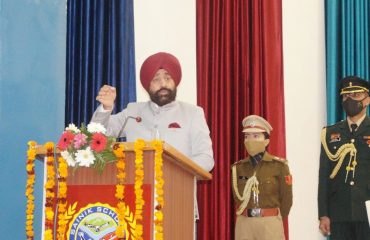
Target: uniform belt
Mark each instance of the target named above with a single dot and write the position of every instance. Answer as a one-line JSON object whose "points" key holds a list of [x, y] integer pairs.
{"points": [[260, 212]]}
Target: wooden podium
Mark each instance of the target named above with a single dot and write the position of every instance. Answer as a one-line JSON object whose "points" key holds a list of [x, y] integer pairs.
{"points": [[179, 174]]}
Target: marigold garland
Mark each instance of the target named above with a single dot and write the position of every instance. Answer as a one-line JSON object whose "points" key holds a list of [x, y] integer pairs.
{"points": [[30, 207], [62, 198], [49, 189], [118, 150], [159, 182], [139, 179]]}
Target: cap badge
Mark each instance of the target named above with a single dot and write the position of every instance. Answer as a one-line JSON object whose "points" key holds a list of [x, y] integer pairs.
{"points": [[252, 124], [350, 84]]}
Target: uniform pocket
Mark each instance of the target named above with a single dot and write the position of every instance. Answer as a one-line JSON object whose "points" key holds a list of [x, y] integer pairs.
{"points": [[268, 185]]}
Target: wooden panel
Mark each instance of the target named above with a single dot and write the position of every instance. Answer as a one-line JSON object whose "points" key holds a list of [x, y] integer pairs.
{"points": [[176, 157], [178, 172], [179, 202], [185, 163], [89, 176]]}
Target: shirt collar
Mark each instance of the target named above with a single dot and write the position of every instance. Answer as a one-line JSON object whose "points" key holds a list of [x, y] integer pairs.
{"points": [[359, 121], [157, 109]]}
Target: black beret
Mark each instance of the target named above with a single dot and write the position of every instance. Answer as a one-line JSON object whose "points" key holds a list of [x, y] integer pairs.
{"points": [[352, 84]]}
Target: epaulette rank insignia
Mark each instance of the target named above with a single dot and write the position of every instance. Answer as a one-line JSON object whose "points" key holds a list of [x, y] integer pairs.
{"points": [[283, 160], [335, 137], [237, 163]]}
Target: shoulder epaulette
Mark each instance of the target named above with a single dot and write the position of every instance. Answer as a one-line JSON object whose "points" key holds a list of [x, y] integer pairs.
{"points": [[270, 157], [279, 159], [334, 124], [240, 161]]}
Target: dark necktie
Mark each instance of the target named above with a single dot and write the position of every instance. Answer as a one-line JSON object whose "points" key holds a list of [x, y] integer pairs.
{"points": [[257, 158], [353, 127]]}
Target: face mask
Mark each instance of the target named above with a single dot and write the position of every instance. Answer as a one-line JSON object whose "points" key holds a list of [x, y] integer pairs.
{"points": [[255, 147], [352, 107]]}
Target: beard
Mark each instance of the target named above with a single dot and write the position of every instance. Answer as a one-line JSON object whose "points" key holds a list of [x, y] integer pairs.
{"points": [[163, 96]]}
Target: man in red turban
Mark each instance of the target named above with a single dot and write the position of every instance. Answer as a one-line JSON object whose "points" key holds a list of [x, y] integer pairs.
{"points": [[160, 74], [180, 124]]}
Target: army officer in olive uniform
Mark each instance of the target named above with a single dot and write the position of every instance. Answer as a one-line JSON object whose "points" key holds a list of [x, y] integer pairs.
{"points": [[344, 175], [262, 186]]}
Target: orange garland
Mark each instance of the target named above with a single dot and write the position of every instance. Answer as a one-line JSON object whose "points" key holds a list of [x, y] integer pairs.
{"points": [[121, 175], [139, 180], [118, 150], [30, 208], [49, 188], [62, 198], [159, 182]]}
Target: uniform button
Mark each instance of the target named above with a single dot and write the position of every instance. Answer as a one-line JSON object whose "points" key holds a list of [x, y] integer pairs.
{"points": [[335, 147], [352, 183], [352, 140]]}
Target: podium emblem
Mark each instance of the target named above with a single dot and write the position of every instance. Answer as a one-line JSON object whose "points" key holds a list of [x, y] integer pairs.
{"points": [[96, 221]]}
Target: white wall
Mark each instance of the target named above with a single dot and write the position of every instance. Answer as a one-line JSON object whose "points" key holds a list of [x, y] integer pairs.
{"points": [[167, 26], [305, 111]]}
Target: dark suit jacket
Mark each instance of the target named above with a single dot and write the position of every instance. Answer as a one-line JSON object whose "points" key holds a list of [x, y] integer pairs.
{"points": [[337, 199]]}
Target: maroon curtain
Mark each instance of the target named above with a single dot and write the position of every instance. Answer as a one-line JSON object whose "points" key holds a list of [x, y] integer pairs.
{"points": [[239, 72]]}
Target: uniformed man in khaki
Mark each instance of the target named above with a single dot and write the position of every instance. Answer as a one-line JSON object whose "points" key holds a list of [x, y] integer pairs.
{"points": [[262, 186]]}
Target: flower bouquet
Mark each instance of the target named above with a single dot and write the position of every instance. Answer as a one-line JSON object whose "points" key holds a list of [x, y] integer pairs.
{"points": [[86, 146]]}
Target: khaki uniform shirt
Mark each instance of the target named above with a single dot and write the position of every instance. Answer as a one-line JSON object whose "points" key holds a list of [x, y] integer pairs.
{"points": [[275, 183]]}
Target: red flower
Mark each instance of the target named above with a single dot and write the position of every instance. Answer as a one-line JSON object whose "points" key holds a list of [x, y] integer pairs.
{"points": [[98, 142], [65, 140]]}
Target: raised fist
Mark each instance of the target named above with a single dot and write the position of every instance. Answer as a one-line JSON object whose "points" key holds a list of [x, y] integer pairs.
{"points": [[106, 96]]}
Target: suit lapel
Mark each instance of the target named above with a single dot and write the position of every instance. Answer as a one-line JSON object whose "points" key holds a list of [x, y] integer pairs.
{"points": [[343, 125], [363, 126]]}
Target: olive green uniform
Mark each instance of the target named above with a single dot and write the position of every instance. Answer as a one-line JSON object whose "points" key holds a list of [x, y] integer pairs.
{"points": [[275, 191], [342, 197]]}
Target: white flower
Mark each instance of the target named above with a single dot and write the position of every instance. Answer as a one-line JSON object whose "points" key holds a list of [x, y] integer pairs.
{"points": [[96, 128], [73, 128], [85, 157], [68, 157]]}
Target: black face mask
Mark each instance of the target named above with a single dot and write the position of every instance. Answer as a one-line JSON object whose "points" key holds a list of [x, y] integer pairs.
{"points": [[352, 107]]}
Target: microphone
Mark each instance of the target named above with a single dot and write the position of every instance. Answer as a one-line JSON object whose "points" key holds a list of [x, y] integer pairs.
{"points": [[137, 119]]}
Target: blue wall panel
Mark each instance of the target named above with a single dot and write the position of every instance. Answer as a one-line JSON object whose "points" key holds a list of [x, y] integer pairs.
{"points": [[32, 85]]}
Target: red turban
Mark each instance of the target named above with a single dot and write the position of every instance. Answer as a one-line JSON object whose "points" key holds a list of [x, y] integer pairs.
{"points": [[158, 61]]}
